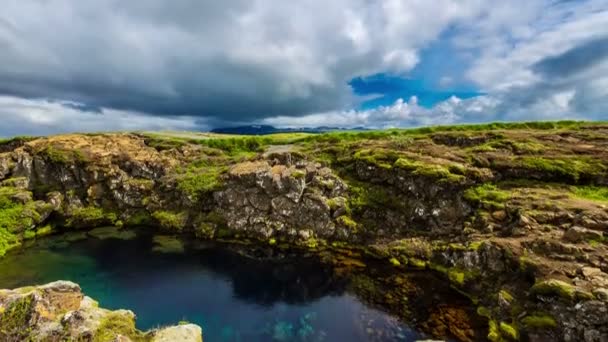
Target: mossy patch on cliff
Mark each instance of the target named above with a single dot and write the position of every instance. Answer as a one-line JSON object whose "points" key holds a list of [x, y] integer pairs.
{"points": [[173, 221], [90, 216], [487, 195], [440, 172], [14, 321], [115, 324]]}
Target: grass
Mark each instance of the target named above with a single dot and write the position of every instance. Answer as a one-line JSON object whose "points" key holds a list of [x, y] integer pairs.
{"points": [[594, 193], [336, 137], [567, 169], [439, 172]]}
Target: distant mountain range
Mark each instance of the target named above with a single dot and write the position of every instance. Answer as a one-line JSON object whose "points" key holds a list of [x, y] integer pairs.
{"points": [[267, 129]]}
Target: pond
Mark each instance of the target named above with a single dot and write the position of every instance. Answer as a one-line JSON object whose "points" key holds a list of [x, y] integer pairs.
{"points": [[241, 294]]}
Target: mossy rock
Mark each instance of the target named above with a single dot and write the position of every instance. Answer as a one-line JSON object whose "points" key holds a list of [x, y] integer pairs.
{"points": [[554, 287], [117, 323], [14, 321], [539, 321], [171, 221]]}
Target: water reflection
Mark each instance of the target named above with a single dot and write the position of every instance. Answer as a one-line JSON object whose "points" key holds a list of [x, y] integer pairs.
{"points": [[283, 297]]}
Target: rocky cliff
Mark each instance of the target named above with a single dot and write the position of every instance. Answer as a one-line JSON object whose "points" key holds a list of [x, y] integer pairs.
{"points": [[514, 216]]}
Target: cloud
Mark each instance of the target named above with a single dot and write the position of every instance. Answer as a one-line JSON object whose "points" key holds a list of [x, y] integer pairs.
{"points": [[102, 65], [400, 114], [36, 117], [231, 60]]}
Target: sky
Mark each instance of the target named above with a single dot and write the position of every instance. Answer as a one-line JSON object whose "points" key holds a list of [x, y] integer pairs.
{"points": [[105, 65]]}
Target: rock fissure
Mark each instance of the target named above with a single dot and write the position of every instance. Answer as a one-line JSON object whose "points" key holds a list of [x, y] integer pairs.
{"points": [[515, 220]]}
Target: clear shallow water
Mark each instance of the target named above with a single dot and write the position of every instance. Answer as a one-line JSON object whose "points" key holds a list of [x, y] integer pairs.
{"points": [[233, 297]]}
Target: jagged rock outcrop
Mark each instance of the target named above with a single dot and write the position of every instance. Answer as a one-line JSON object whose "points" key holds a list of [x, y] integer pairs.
{"points": [[59, 311], [298, 201]]}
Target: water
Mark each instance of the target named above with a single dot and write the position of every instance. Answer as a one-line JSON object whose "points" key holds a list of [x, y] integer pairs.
{"points": [[234, 297]]}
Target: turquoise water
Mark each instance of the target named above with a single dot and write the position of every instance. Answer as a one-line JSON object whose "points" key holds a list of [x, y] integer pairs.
{"points": [[165, 280]]}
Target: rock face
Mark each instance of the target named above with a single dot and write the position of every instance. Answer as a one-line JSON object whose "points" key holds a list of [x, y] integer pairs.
{"points": [[297, 201], [515, 217], [60, 312]]}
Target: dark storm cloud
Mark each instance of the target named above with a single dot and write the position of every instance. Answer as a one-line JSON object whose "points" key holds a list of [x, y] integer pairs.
{"points": [[574, 60]]}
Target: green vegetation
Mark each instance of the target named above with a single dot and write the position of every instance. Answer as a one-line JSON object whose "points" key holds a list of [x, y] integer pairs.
{"points": [[440, 172], [139, 218], [90, 217], [117, 323], [539, 321], [487, 195], [567, 169], [170, 220], [17, 139], [336, 137], [554, 287], [347, 222], [200, 178], [14, 321], [509, 331], [63, 156], [595, 193]]}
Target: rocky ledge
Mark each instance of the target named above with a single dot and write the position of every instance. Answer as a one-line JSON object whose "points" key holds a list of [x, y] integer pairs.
{"points": [[515, 216], [59, 311]]}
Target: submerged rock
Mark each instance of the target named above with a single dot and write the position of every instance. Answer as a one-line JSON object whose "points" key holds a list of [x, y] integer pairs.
{"points": [[59, 311]]}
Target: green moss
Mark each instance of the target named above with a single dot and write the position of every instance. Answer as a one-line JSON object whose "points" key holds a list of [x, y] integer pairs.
{"points": [[90, 216], [347, 222], [29, 234], [139, 218], [509, 331], [487, 195], [171, 220], [298, 174], [505, 295], [394, 262], [484, 312], [117, 323], [439, 172], [64, 156], [456, 276], [200, 178], [417, 263], [539, 321], [44, 231], [567, 169], [14, 322], [554, 287], [494, 332], [378, 157]]}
